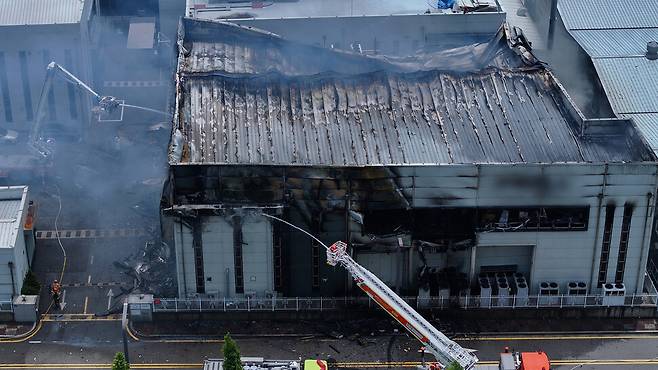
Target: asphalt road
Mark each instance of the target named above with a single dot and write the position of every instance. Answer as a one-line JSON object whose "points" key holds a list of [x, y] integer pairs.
{"points": [[91, 344]]}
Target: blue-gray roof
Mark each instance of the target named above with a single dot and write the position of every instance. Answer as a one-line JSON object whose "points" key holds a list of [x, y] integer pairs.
{"points": [[615, 36], [40, 12], [608, 14]]}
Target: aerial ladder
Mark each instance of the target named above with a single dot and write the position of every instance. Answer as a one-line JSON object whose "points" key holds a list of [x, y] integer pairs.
{"points": [[436, 343], [104, 104]]}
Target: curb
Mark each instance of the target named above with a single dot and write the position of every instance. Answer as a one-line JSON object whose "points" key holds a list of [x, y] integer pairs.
{"points": [[136, 335], [23, 336]]}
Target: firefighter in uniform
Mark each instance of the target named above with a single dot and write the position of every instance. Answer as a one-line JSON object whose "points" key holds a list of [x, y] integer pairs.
{"points": [[55, 290]]}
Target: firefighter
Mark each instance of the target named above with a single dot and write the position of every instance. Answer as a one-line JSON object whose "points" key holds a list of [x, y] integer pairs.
{"points": [[55, 289]]}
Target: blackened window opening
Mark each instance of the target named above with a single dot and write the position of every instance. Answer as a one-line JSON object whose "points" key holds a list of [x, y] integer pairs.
{"points": [[197, 246], [73, 104], [238, 241], [278, 257], [503, 219], [25, 77], [605, 244], [52, 112], [4, 86], [623, 243]]}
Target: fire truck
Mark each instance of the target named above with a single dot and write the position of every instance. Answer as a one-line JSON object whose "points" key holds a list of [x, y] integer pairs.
{"points": [[436, 343]]}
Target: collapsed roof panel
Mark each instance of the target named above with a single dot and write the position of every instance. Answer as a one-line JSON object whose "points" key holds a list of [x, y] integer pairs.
{"points": [[247, 97]]}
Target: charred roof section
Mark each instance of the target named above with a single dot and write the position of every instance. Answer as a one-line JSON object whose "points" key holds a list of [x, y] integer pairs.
{"points": [[249, 97]]}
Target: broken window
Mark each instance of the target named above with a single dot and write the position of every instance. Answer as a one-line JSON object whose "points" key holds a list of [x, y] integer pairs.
{"points": [[534, 219]]}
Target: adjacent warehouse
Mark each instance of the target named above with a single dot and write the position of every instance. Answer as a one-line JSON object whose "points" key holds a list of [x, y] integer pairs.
{"points": [[433, 176], [16, 240]]}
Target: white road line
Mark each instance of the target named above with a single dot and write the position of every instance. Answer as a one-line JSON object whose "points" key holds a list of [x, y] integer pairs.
{"points": [[91, 262], [88, 279], [34, 342]]}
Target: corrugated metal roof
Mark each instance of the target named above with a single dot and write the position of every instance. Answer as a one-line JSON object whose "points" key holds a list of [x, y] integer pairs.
{"points": [[384, 119], [647, 123], [630, 84], [616, 43], [608, 14], [35, 12], [10, 218]]}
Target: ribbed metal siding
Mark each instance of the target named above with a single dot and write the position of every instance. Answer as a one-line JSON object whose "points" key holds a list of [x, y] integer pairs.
{"points": [[615, 43], [630, 84], [34, 12], [608, 14], [9, 218], [647, 123]]}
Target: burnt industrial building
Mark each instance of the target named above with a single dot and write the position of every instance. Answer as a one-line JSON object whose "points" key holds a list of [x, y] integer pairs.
{"points": [[434, 172]]}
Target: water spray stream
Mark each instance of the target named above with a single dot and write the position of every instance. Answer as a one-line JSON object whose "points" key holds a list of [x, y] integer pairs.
{"points": [[298, 228]]}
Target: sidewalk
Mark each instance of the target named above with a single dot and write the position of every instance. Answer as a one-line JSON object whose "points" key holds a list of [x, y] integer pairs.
{"points": [[14, 330], [369, 326]]}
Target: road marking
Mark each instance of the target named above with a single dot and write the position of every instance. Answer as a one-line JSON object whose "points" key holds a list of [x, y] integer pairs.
{"points": [[110, 295], [86, 301], [91, 260], [99, 285], [62, 303], [79, 317], [34, 342], [89, 280], [556, 337], [90, 233]]}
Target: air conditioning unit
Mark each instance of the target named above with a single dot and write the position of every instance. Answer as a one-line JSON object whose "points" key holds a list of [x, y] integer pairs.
{"points": [[485, 293], [576, 293], [614, 294], [503, 294], [424, 298], [522, 292], [549, 293]]}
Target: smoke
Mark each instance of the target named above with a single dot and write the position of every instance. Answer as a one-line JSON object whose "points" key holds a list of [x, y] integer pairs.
{"points": [[110, 174]]}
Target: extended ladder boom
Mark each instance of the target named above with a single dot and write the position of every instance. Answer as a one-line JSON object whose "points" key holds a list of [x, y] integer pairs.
{"points": [[445, 350]]}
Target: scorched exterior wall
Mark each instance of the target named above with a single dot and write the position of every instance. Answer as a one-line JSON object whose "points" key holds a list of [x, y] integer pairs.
{"points": [[560, 256]]}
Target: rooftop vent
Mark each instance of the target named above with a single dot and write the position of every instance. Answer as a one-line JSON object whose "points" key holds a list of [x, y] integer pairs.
{"points": [[652, 50]]}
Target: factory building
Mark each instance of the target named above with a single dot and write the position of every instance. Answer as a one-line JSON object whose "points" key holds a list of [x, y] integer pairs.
{"points": [[433, 175], [34, 34], [16, 239]]}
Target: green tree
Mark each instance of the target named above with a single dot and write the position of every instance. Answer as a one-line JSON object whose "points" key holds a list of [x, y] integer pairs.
{"points": [[31, 285], [454, 366], [231, 354], [119, 362]]}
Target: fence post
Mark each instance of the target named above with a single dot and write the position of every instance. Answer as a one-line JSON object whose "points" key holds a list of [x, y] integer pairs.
{"points": [[199, 304], [561, 300], [297, 300], [466, 302], [513, 301], [176, 304], [248, 304], [633, 300], [320, 303], [224, 303]]}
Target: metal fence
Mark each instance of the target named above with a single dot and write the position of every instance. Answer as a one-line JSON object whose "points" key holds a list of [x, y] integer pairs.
{"points": [[463, 302], [6, 306]]}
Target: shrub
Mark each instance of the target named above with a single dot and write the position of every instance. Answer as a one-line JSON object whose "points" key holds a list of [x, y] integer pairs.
{"points": [[31, 285], [119, 362], [231, 354]]}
